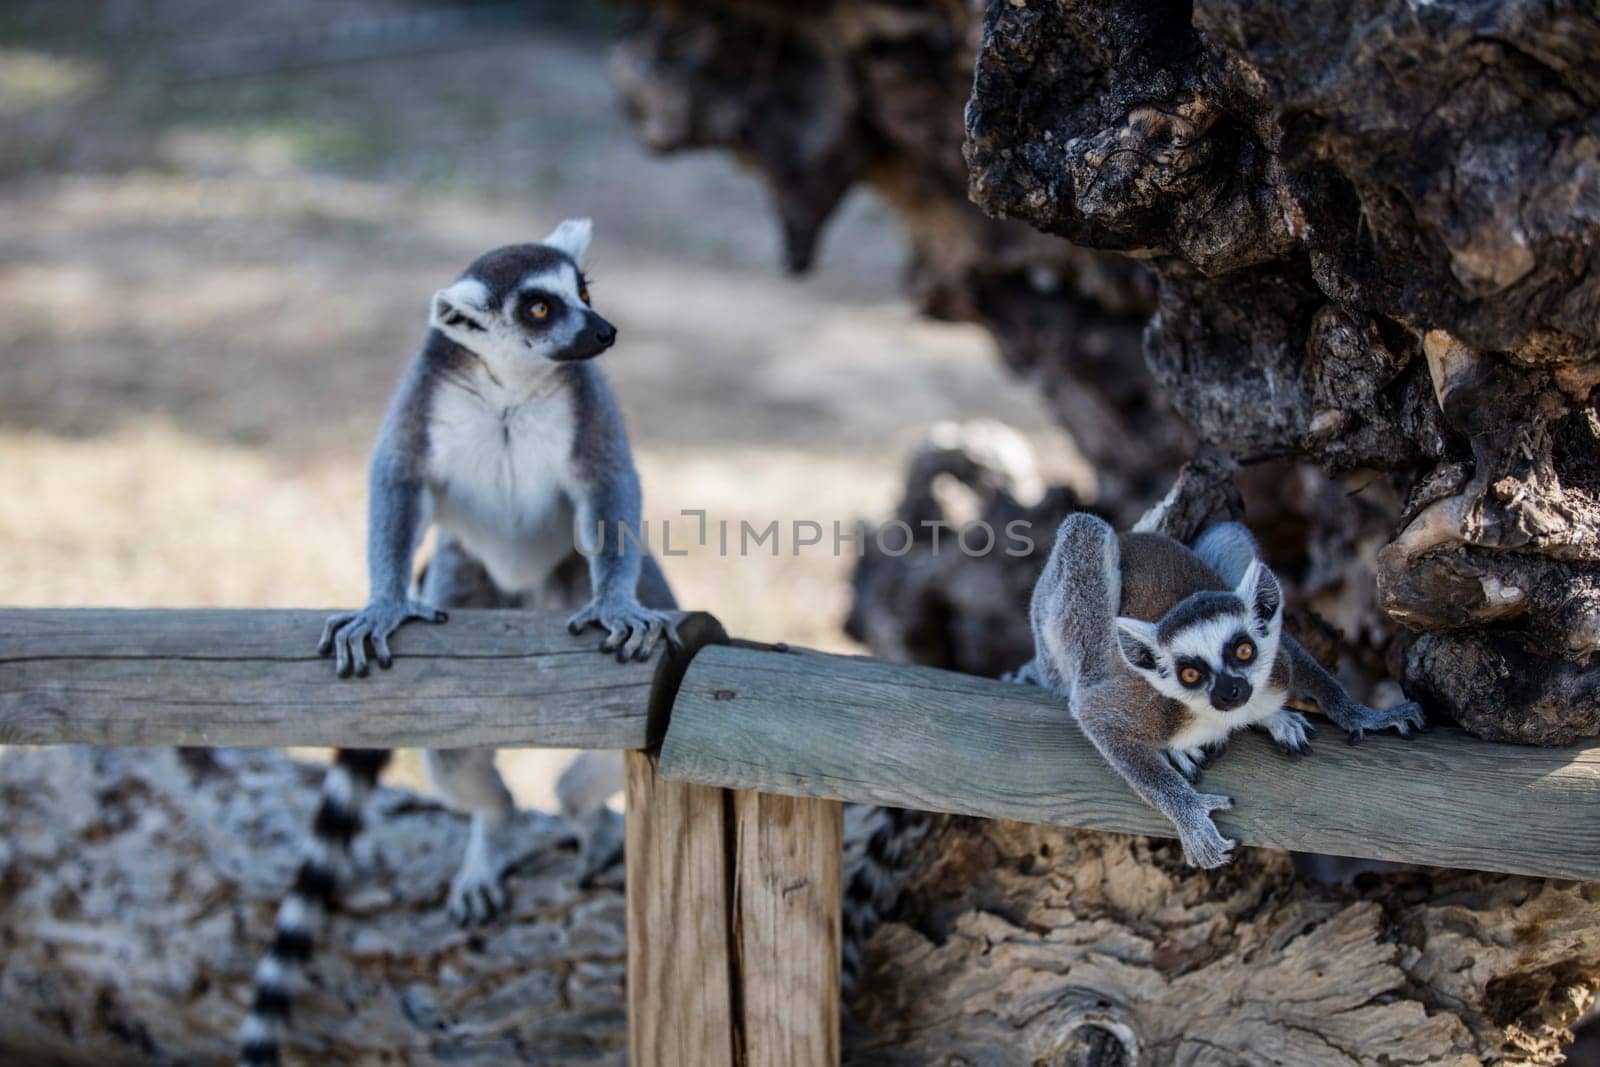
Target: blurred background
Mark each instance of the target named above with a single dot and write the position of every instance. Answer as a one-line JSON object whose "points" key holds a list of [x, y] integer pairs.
{"points": [[219, 229]]}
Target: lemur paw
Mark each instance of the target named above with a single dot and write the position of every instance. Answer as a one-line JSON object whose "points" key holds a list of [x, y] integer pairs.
{"points": [[1203, 844], [1027, 674], [1402, 718], [347, 634], [1292, 731], [476, 895], [632, 630]]}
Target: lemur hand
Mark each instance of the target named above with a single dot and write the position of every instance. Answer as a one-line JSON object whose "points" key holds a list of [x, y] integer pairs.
{"points": [[632, 630], [1292, 731], [1203, 844], [1355, 718], [346, 634]]}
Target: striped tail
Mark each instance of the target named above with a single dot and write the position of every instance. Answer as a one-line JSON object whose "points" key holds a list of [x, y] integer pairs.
{"points": [[878, 847], [315, 891]]}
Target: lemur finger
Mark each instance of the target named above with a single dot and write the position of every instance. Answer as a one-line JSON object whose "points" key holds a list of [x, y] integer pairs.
{"points": [[380, 651], [357, 641], [643, 641], [331, 627]]}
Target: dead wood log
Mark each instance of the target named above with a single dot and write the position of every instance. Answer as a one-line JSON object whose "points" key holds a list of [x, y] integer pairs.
{"points": [[138, 886], [1026, 945]]}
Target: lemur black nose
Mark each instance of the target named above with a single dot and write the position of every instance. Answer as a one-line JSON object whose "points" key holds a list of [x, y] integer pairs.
{"points": [[1229, 692], [605, 333]]}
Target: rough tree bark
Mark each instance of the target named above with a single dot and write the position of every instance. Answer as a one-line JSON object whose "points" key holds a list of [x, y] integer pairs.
{"points": [[1367, 235], [138, 886]]}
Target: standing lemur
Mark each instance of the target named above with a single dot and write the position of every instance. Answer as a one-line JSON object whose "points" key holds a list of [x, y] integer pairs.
{"points": [[501, 435], [1162, 651]]}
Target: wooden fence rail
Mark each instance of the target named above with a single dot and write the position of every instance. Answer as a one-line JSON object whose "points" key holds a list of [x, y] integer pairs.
{"points": [[855, 729], [733, 876], [792, 722], [485, 679]]}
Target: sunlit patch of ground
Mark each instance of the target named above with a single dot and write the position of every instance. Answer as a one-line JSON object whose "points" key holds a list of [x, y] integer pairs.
{"points": [[207, 292]]}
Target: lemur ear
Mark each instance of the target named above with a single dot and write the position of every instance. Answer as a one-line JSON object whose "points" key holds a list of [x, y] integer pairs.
{"points": [[1136, 640], [461, 309], [572, 237], [1261, 593]]}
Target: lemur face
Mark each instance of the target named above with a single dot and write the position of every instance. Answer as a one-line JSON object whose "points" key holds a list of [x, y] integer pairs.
{"points": [[1214, 649], [520, 306]]}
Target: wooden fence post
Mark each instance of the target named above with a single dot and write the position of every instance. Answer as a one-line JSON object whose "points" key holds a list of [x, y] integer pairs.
{"points": [[680, 987], [733, 925], [787, 857]]}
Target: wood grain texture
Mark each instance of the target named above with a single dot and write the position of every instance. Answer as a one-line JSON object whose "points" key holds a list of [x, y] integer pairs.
{"points": [[809, 724], [787, 926], [680, 994], [485, 678]]}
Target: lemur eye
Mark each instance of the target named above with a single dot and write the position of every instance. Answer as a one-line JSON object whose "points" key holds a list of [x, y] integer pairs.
{"points": [[539, 309], [583, 292], [1189, 676], [1244, 651]]}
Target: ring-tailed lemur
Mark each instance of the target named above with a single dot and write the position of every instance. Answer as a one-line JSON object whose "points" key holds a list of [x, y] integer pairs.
{"points": [[501, 434], [1162, 651]]}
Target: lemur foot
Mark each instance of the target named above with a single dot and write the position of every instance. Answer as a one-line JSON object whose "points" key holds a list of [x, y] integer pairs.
{"points": [[596, 862], [1203, 844], [1357, 719], [347, 634], [631, 630], [1291, 731], [1027, 674], [476, 895]]}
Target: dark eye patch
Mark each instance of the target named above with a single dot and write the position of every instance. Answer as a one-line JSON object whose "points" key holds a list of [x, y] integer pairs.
{"points": [[1242, 649], [527, 304]]}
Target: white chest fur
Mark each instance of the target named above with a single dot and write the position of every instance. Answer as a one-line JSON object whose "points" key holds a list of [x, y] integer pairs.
{"points": [[500, 472], [1207, 726]]}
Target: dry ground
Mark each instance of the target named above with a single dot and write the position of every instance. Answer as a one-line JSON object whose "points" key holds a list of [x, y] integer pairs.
{"points": [[207, 290]]}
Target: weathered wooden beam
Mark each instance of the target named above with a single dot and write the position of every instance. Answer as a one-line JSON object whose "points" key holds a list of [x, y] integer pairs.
{"points": [[681, 1001], [788, 853], [485, 678], [808, 724]]}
